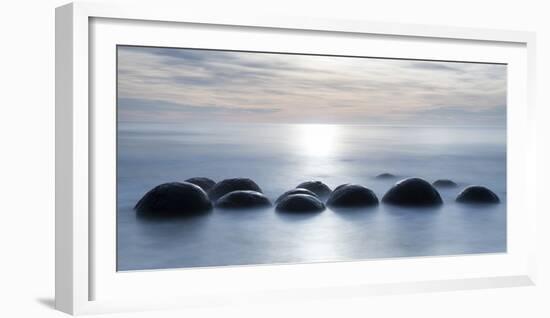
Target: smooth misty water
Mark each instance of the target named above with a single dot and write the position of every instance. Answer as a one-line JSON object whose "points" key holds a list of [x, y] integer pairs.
{"points": [[278, 157]]}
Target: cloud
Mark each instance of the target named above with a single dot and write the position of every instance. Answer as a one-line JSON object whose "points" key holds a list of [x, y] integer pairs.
{"points": [[457, 116], [134, 108], [269, 87], [437, 66]]}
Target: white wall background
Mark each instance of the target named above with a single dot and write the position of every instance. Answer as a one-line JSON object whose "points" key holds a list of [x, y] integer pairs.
{"points": [[27, 158]]}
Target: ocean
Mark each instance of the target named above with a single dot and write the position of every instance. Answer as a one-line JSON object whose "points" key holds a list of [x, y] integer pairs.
{"points": [[279, 157]]}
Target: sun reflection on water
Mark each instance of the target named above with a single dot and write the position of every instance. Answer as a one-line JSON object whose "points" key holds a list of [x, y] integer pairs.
{"points": [[317, 140]]}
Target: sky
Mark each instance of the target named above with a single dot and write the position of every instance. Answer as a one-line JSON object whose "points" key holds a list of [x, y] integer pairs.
{"points": [[183, 85]]}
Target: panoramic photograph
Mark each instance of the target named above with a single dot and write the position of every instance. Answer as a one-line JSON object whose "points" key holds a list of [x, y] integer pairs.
{"points": [[230, 158]]}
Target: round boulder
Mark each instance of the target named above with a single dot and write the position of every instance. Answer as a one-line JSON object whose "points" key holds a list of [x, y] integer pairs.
{"points": [[477, 194], [300, 203], [385, 175], [243, 199], [352, 195], [413, 192], [317, 187], [229, 185], [204, 183], [295, 191], [340, 186], [444, 183], [174, 199]]}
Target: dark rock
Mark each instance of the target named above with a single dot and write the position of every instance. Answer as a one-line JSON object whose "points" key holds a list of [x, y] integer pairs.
{"points": [[229, 185], [300, 203], [340, 186], [243, 199], [317, 187], [444, 183], [477, 194], [174, 199], [385, 176], [352, 195], [295, 191], [413, 192], [205, 183]]}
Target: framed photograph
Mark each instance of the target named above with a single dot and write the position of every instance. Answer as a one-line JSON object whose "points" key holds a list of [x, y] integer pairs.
{"points": [[206, 159]]}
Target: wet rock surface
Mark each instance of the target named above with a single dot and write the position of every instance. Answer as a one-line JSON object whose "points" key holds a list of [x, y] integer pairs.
{"points": [[295, 191], [340, 186], [444, 183], [317, 187], [477, 194], [413, 192], [352, 195], [243, 199], [174, 199], [205, 183], [300, 203], [229, 185]]}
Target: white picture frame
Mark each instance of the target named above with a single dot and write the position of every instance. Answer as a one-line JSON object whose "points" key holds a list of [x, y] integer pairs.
{"points": [[86, 281]]}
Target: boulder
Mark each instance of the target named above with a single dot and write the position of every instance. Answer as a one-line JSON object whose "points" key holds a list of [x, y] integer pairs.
{"points": [[413, 192], [385, 175], [352, 195], [294, 191], [174, 199], [300, 203], [477, 194], [317, 187], [243, 199], [204, 183], [340, 186], [444, 183], [229, 185]]}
